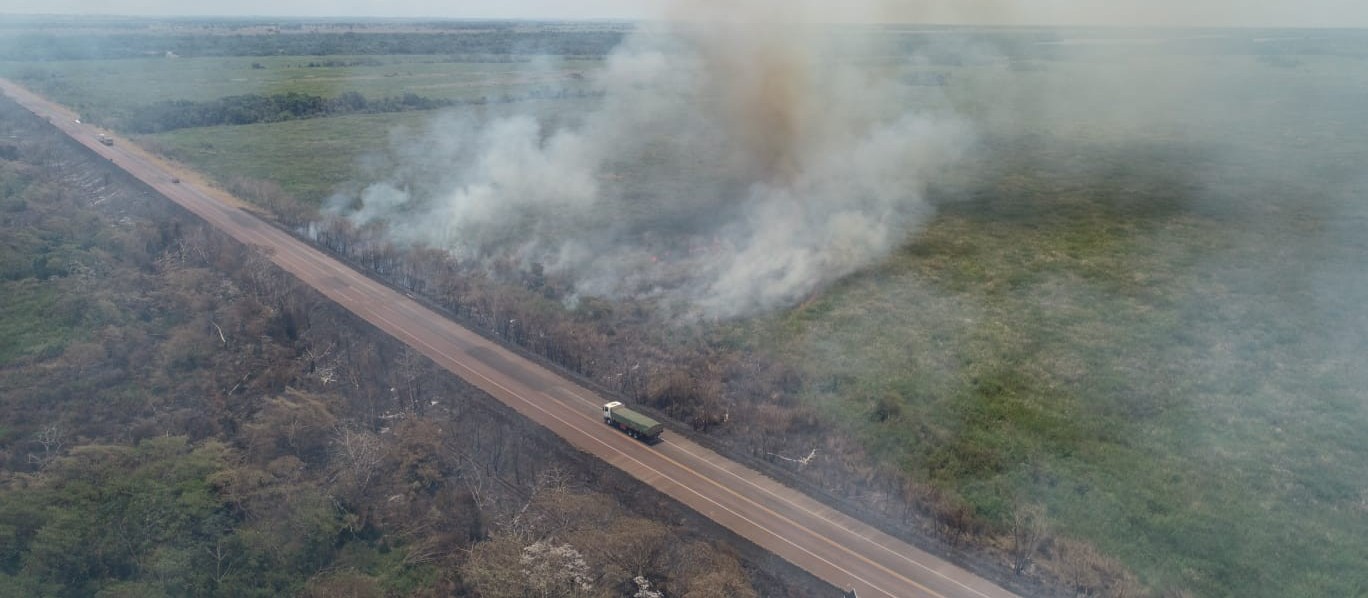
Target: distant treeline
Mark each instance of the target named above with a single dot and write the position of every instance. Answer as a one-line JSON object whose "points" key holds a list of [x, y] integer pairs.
{"points": [[496, 41], [334, 63], [254, 108], [510, 39]]}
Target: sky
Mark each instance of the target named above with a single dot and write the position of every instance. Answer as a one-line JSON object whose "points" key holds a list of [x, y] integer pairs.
{"points": [[1199, 13]]}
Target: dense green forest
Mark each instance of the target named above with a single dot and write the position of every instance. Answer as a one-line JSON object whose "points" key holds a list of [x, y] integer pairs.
{"points": [[179, 418]]}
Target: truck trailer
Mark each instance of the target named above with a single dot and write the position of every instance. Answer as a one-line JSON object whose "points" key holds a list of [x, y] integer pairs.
{"points": [[636, 425]]}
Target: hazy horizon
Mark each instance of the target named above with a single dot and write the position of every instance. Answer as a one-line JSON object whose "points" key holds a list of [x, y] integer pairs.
{"points": [[1314, 14]]}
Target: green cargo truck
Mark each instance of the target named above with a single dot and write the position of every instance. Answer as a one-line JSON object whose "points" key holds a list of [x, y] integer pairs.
{"points": [[634, 424]]}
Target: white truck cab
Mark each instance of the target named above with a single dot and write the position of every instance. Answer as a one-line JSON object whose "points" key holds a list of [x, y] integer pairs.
{"points": [[608, 410]]}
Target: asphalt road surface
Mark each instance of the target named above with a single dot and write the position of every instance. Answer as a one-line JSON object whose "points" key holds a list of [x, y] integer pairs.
{"points": [[832, 546]]}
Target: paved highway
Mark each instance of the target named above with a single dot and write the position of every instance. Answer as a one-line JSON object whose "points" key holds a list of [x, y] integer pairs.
{"points": [[825, 542]]}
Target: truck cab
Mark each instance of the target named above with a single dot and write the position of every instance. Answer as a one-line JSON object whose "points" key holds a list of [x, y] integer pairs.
{"points": [[608, 411]]}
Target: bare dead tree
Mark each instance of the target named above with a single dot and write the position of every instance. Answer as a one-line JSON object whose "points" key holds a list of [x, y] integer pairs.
{"points": [[265, 280], [802, 461], [51, 439], [357, 455], [222, 338], [954, 518], [475, 479], [1028, 530], [323, 363], [550, 480], [409, 368], [223, 561]]}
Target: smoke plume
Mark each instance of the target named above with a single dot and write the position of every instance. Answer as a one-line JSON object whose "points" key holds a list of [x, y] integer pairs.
{"points": [[740, 158]]}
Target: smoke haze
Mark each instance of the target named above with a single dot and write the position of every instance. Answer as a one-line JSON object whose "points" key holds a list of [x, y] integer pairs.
{"points": [[1161, 235], [734, 164]]}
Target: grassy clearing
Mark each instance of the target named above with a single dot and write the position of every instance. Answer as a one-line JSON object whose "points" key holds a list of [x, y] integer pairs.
{"points": [[312, 159], [307, 158]]}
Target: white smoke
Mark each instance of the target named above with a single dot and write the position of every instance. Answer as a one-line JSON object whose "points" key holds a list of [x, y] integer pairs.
{"points": [[734, 164]]}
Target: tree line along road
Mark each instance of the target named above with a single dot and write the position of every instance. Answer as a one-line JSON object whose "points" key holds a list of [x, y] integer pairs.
{"points": [[831, 545]]}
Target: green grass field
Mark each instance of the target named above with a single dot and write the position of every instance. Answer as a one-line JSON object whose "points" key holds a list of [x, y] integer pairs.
{"points": [[114, 86], [312, 159], [1158, 333], [1139, 305], [1108, 370]]}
